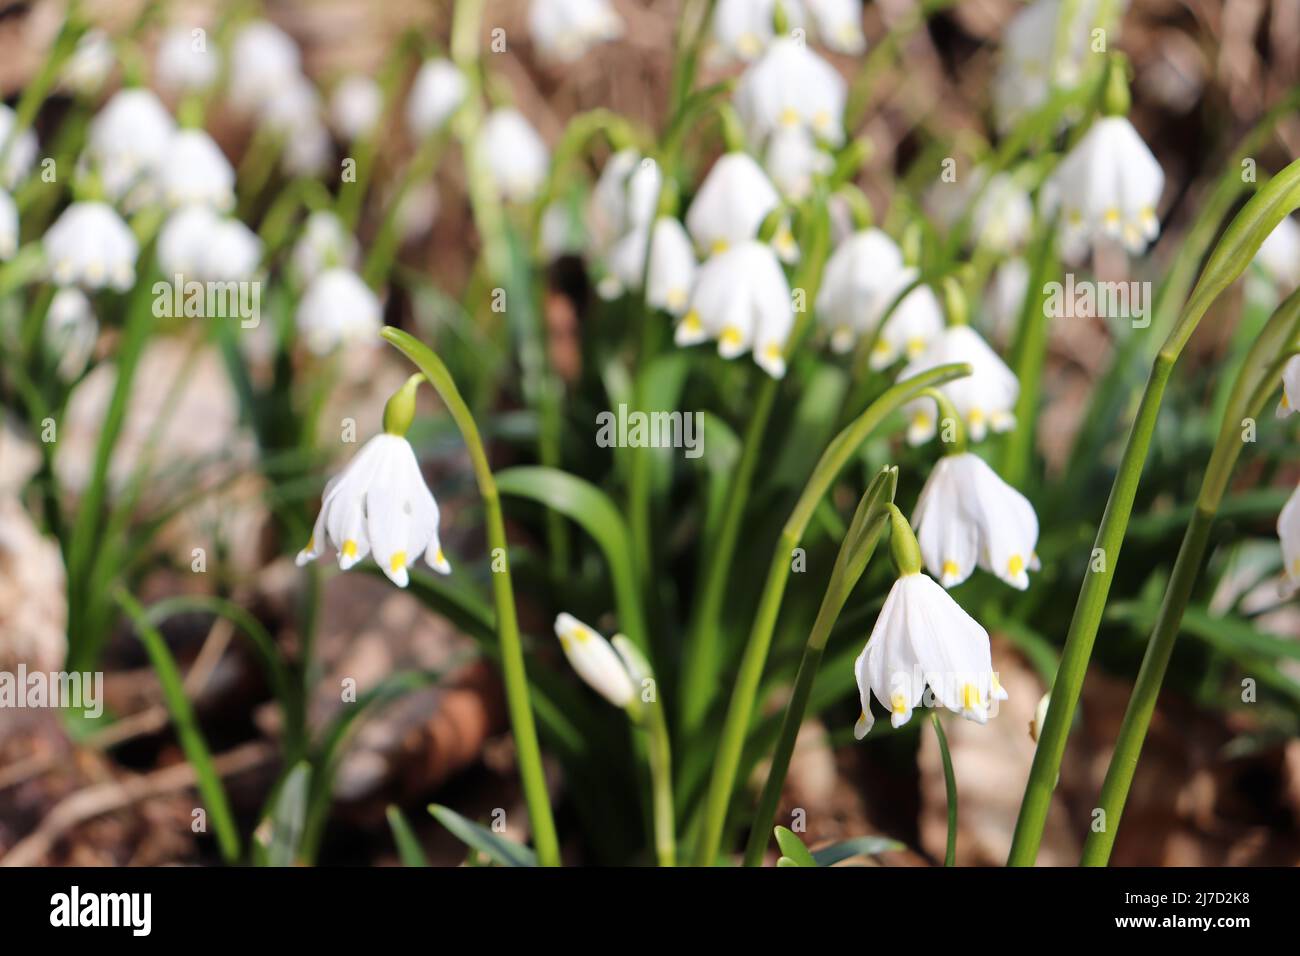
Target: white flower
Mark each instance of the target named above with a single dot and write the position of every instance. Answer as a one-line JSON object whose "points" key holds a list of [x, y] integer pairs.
{"points": [[87, 69], [565, 29], [22, 152], [624, 197], [1108, 186], [1279, 254], [596, 660], [90, 245], [672, 265], [731, 204], [1288, 532], [792, 87], [355, 106], [1040, 717], [839, 24], [193, 169], [263, 58], [743, 28], [337, 308], [323, 244], [8, 226], [984, 399], [307, 149], [71, 331], [515, 155], [793, 159], [1290, 399], [437, 92], [967, 515], [183, 240], [911, 328], [379, 503], [861, 277], [234, 252], [1030, 69], [563, 232], [741, 299], [924, 637], [1006, 297], [128, 139], [183, 63], [1003, 213]]}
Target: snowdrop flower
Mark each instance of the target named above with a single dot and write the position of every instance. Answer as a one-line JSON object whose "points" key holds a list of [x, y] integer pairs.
{"points": [[22, 152], [1279, 255], [263, 59], [984, 399], [183, 63], [967, 515], [1003, 213], [595, 659], [792, 87], [90, 245], [1030, 69], [741, 299], [565, 29], [233, 254], [1288, 532], [71, 331], [793, 159], [437, 92], [860, 277], [624, 197], [337, 308], [743, 29], [355, 106], [88, 68], [515, 155], [8, 226], [323, 244], [914, 325], [1108, 186], [379, 503], [128, 139], [671, 268], [731, 204], [183, 240], [839, 24], [194, 170], [921, 637]]}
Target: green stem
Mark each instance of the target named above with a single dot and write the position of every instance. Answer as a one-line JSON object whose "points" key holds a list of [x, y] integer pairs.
{"points": [[661, 783], [511, 647], [950, 787]]}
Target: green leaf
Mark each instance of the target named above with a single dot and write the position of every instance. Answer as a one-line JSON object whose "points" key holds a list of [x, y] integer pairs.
{"points": [[282, 840], [857, 846], [477, 837], [408, 846], [793, 849]]}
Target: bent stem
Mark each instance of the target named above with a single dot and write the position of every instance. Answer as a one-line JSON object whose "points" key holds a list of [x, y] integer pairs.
{"points": [[1257, 380], [511, 649], [661, 784], [1234, 252], [950, 788], [741, 707], [864, 534]]}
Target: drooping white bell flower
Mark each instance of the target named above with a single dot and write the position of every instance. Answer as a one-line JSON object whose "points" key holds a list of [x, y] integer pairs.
{"points": [[91, 246], [1279, 254], [22, 152], [790, 86], [1030, 67], [91, 62], [1107, 187], [263, 59], [564, 30], [380, 504], [793, 160], [624, 197], [183, 241], [128, 140], [742, 29], [307, 149], [860, 276], [967, 515], [8, 226], [1288, 532], [515, 155], [912, 328], [985, 399], [563, 231], [355, 106], [234, 253], [742, 300], [596, 660], [323, 244], [337, 308], [923, 637], [672, 265], [1290, 399], [731, 204], [194, 170], [1003, 213], [184, 64], [1005, 298], [839, 24], [437, 92], [70, 331]]}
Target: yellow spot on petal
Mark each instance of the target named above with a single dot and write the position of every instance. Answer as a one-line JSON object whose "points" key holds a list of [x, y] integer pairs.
{"points": [[311, 544], [996, 685], [970, 696], [675, 298], [349, 548], [581, 635], [975, 416], [1074, 217], [749, 44], [921, 422], [730, 336], [898, 703], [821, 119], [1016, 566], [772, 352], [397, 561], [950, 569], [915, 346], [439, 557], [789, 116], [691, 321], [719, 246], [1111, 216]]}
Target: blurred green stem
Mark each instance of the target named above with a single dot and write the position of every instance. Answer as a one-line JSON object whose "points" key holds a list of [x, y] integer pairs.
{"points": [[950, 789]]}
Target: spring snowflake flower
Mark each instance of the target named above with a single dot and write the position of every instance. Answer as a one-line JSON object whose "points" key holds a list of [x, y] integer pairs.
{"points": [[263, 59], [564, 30], [924, 637], [194, 170], [71, 331], [1288, 532], [1107, 187], [1003, 213], [967, 515], [911, 329], [380, 504], [597, 661], [337, 309], [91, 62], [985, 399], [794, 160], [183, 63], [22, 151], [672, 266], [1279, 255], [624, 197], [731, 204], [91, 246], [437, 92], [355, 106], [742, 29], [234, 253], [323, 244], [1005, 297], [128, 140], [515, 155], [860, 276], [741, 299], [1030, 69], [197, 244], [791, 87], [8, 226], [839, 24]]}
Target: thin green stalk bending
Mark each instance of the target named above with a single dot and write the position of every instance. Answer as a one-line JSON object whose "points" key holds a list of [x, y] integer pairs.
{"points": [[1233, 253], [864, 534], [661, 783], [511, 647], [741, 708], [950, 788]]}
